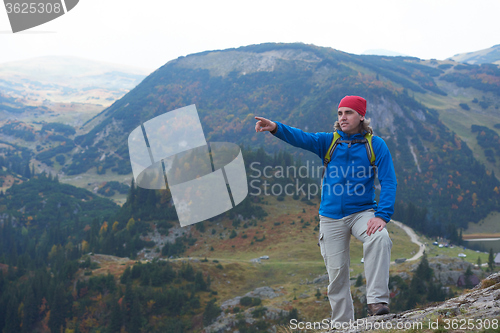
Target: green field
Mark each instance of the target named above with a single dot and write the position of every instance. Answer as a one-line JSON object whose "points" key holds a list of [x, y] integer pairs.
{"points": [[489, 225]]}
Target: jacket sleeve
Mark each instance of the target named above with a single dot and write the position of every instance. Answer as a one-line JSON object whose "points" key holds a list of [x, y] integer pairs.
{"points": [[387, 178], [316, 143]]}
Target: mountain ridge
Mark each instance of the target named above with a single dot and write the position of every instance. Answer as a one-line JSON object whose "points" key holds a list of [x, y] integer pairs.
{"points": [[490, 55]]}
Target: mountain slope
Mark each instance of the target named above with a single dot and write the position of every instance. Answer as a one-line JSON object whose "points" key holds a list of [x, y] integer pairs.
{"points": [[486, 56]]}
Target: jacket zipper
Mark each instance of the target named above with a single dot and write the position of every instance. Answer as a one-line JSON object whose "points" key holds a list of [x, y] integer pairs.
{"points": [[344, 180]]}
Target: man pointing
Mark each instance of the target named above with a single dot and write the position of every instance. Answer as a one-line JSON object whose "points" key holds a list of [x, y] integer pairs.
{"points": [[353, 157]]}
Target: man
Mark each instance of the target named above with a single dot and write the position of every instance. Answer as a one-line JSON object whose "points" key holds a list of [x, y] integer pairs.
{"points": [[348, 204]]}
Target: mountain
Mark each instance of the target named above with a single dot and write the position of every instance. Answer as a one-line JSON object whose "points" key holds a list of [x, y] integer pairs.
{"points": [[424, 110], [67, 79], [486, 56]]}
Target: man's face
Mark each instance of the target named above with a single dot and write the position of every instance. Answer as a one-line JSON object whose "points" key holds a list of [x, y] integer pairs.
{"points": [[349, 120]]}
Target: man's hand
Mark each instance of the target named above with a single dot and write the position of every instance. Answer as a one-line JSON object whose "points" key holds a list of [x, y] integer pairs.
{"points": [[375, 224], [264, 124]]}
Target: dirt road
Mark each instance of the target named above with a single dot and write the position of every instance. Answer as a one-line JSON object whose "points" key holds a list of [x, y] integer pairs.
{"points": [[414, 239]]}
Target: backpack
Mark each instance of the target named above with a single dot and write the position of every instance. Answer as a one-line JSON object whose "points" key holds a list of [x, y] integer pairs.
{"points": [[337, 139]]}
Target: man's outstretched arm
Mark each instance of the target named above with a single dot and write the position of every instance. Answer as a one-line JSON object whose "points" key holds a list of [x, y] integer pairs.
{"points": [[316, 143]]}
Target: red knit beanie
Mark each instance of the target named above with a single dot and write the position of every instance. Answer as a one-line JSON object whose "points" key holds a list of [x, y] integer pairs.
{"points": [[356, 103]]}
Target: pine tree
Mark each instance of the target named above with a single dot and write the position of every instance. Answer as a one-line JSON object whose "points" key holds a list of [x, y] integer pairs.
{"points": [[468, 274], [359, 281], [27, 172], [12, 321], [128, 299], [424, 271], [212, 311], [58, 309], [115, 323], [136, 317], [125, 276], [491, 261], [30, 310], [199, 282]]}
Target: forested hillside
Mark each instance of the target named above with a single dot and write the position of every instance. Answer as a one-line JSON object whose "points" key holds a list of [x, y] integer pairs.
{"points": [[49, 233]]}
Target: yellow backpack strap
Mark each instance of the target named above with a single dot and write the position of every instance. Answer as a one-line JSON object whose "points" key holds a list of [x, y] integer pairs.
{"points": [[333, 145], [369, 148], [329, 152]]}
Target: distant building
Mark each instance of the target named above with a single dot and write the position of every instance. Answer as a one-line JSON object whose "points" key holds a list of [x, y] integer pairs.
{"points": [[497, 259]]}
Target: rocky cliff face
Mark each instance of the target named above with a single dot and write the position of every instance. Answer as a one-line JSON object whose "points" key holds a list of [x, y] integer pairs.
{"points": [[447, 271]]}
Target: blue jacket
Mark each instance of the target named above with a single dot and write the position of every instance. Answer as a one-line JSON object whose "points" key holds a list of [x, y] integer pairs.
{"points": [[348, 185]]}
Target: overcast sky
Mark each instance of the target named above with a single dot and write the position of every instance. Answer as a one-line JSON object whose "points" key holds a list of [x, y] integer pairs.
{"points": [[149, 33]]}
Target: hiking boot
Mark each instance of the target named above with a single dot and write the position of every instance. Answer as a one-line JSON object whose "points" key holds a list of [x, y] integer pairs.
{"points": [[378, 309]]}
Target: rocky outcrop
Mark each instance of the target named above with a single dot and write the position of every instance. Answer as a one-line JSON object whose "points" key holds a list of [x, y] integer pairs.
{"points": [[447, 270], [221, 63], [227, 320], [472, 311], [263, 293], [160, 240]]}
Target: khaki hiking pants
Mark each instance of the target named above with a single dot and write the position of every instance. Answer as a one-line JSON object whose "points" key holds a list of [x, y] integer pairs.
{"points": [[334, 238]]}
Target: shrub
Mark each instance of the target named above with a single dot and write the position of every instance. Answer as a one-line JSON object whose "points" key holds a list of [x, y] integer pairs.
{"points": [[212, 311], [259, 312], [464, 106], [246, 301]]}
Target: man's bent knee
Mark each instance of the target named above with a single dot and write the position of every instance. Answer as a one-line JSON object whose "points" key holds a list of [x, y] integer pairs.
{"points": [[381, 237]]}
